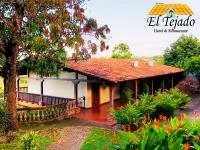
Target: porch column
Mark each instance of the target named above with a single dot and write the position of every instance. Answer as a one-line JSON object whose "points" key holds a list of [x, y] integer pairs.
{"points": [[172, 81], [152, 89], [163, 84], [42, 91], [111, 96], [76, 82], [18, 79], [136, 90]]}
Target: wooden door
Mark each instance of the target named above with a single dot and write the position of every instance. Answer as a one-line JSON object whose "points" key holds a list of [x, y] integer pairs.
{"points": [[95, 95]]}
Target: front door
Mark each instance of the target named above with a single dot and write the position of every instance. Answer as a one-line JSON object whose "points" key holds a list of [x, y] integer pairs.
{"points": [[95, 95]]}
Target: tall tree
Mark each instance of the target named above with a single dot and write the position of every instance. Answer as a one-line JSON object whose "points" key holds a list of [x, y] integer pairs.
{"points": [[192, 65], [185, 47], [40, 30], [122, 50]]}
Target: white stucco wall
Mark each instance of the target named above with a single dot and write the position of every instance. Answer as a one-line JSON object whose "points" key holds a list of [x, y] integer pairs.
{"points": [[58, 88]]}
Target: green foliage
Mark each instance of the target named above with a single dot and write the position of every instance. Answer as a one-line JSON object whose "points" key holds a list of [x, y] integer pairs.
{"points": [[192, 65], [177, 133], [163, 103], [4, 115], [101, 139], [146, 88], [184, 48], [122, 50], [181, 99], [126, 94], [33, 141]]}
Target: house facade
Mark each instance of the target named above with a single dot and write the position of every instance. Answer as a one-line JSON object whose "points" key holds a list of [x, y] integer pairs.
{"points": [[99, 81]]}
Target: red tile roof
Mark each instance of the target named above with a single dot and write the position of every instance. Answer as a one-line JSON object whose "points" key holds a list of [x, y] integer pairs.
{"points": [[117, 70]]}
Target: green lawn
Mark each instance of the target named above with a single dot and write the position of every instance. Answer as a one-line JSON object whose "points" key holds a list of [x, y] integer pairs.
{"points": [[47, 131], [23, 82], [100, 139]]}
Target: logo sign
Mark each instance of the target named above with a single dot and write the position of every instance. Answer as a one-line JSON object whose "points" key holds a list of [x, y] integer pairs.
{"points": [[170, 18]]}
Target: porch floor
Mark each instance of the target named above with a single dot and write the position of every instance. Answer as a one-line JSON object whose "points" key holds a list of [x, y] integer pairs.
{"points": [[29, 105], [100, 115]]}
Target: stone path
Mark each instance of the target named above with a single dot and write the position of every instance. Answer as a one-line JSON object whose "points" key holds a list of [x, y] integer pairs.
{"points": [[193, 107], [71, 138]]}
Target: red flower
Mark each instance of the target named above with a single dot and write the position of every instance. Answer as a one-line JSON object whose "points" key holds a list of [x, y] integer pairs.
{"points": [[157, 123], [178, 127], [194, 113], [197, 138], [114, 141], [169, 129], [106, 148], [104, 133], [114, 133], [129, 128], [187, 146]]}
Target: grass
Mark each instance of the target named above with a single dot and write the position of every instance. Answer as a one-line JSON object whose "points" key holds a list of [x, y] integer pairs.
{"points": [[23, 82], [47, 131], [101, 139]]}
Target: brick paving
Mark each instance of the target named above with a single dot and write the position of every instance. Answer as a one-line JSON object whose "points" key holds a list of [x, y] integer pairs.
{"points": [[71, 138], [193, 107]]}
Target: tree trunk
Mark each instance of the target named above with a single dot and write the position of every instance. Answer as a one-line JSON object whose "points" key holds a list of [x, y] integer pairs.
{"points": [[10, 86]]}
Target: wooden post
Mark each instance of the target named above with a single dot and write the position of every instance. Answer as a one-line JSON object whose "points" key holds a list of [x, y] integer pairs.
{"points": [[152, 89], [172, 81], [42, 91], [76, 88], [136, 90], [163, 84], [111, 96], [18, 79]]}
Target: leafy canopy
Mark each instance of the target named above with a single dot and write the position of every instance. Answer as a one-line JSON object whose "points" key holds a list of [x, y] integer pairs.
{"points": [[122, 50], [184, 48], [46, 28], [192, 65]]}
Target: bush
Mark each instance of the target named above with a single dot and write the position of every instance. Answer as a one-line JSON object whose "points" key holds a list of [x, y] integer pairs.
{"points": [[175, 133], [163, 103], [33, 141], [30, 141], [126, 94], [4, 115], [181, 99], [127, 115], [189, 85]]}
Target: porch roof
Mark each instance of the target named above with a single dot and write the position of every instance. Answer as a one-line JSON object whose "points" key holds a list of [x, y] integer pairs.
{"points": [[117, 70]]}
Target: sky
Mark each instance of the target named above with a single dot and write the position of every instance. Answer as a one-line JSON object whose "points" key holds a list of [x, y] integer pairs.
{"points": [[127, 20]]}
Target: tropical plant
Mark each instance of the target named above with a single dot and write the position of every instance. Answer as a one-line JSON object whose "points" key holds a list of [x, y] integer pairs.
{"points": [[163, 103], [126, 94], [166, 134], [34, 141]]}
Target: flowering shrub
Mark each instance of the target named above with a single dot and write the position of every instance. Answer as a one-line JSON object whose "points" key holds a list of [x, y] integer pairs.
{"points": [[167, 134], [164, 103], [189, 86]]}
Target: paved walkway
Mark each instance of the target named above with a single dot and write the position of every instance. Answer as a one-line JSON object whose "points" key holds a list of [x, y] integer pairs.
{"points": [[71, 138], [193, 108]]}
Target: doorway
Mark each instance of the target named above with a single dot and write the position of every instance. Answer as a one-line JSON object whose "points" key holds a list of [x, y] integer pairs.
{"points": [[95, 95]]}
